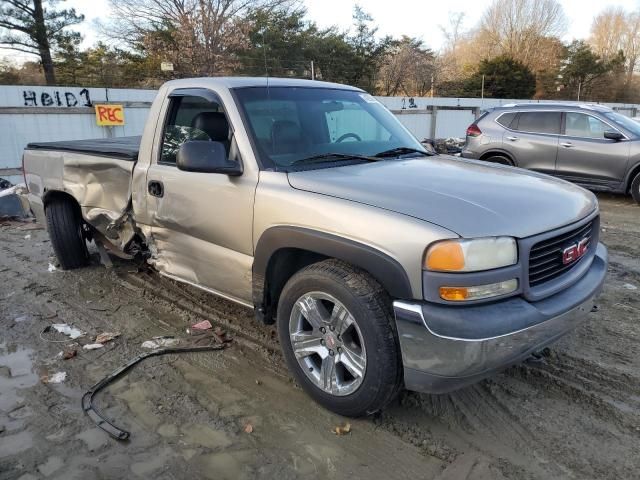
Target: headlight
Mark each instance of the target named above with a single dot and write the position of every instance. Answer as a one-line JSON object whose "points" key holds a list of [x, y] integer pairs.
{"points": [[471, 255]]}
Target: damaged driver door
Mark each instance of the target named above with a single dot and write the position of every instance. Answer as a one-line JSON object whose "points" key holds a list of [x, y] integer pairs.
{"points": [[201, 223]]}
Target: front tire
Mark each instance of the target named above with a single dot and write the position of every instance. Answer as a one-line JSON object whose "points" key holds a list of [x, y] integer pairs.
{"points": [[64, 224], [338, 337], [635, 188]]}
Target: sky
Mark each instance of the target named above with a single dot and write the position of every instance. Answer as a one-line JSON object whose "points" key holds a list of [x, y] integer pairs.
{"points": [[415, 18]]}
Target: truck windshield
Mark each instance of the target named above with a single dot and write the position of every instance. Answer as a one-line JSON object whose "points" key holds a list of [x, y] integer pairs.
{"points": [[290, 124]]}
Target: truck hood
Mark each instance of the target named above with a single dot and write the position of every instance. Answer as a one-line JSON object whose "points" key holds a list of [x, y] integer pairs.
{"points": [[470, 198]]}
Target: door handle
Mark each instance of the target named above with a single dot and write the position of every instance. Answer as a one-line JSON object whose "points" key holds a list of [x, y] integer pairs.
{"points": [[513, 139], [567, 144], [156, 188]]}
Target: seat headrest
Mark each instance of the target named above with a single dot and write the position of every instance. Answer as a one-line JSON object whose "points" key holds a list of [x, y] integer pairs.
{"points": [[213, 124]]}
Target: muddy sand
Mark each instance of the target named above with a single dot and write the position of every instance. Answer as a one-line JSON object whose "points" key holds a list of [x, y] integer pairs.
{"points": [[236, 413]]}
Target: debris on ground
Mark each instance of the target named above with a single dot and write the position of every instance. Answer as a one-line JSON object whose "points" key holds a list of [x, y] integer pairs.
{"points": [[630, 286], [248, 428], [68, 354], [158, 342], [106, 337], [342, 429], [13, 202], [221, 336], [199, 328], [104, 256], [92, 346], [68, 330], [58, 377], [27, 236], [203, 325], [52, 268]]}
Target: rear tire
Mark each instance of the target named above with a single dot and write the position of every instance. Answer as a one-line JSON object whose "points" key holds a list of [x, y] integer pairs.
{"points": [[635, 188], [360, 383], [64, 224], [500, 159]]}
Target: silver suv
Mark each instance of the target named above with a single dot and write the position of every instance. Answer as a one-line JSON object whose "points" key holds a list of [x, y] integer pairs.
{"points": [[590, 145]]}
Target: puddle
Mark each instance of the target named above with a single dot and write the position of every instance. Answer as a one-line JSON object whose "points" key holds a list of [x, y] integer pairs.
{"points": [[16, 373], [93, 438], [14, 444], [53, 464], [204, 436]]}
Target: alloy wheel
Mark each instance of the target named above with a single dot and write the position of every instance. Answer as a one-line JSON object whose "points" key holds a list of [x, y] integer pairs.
{"points": [[327, 343]]}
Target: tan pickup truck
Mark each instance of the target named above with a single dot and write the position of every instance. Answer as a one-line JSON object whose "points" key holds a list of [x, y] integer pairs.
{"points": [[382, 264]]}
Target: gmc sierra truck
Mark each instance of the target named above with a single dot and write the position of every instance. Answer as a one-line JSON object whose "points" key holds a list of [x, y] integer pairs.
{"points": [[382, 264]]}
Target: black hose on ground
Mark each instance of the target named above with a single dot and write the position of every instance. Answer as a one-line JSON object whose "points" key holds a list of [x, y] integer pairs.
{"points": [[95, 414]]}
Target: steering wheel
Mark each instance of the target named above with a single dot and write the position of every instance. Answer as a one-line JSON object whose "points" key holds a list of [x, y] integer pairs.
{"points": [[348, 135]]}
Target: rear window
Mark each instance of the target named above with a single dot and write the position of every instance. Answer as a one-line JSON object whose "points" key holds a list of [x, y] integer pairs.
{"points": [[506, 118], [538, 122]]}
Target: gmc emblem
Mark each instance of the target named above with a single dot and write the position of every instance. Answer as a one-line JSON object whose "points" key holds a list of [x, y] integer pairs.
{"points": [[575, 251]]}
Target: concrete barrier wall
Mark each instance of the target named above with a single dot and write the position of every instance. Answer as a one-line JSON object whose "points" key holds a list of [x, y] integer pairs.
{"points": [[43, 114]]}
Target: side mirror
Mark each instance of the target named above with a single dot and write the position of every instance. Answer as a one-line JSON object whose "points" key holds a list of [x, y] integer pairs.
{"points": [[611, 135], [206, 157]]}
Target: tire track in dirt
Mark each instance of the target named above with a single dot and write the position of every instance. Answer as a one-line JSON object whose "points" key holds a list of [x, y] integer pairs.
{"points": [[233, 318]]}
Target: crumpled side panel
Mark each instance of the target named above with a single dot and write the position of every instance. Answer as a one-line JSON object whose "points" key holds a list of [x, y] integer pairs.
{"points": [[180, 256], [101, 185]]}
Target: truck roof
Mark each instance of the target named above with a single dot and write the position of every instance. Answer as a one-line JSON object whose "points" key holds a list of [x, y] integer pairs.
{"points": [[243, 82]]}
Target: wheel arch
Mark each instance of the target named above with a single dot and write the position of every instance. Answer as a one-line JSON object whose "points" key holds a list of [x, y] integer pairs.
{"points": [[51, 195], [283, 250], [633, 171], [498, 152]]}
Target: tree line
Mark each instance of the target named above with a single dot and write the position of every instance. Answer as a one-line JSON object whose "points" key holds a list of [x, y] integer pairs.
{"points": [[514, 51]]}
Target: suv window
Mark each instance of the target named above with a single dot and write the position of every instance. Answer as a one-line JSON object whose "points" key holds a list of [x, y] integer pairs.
{"points": [[192, 118], [506, 119], [586, 126], [538, 122]]}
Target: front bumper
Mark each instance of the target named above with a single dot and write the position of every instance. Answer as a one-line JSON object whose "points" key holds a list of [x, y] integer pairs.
{"points": [[448, 347]]}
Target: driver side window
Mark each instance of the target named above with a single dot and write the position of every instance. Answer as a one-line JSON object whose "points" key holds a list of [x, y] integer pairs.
{"points": [[192, 118], [585, 126], [351, 122]]}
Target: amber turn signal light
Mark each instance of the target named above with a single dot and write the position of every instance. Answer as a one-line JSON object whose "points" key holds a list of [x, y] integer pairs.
{"points": [[445, 256]]}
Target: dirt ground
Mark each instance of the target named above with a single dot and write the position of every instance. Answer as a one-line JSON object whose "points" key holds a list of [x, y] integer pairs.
{"points": [[575, 416]]}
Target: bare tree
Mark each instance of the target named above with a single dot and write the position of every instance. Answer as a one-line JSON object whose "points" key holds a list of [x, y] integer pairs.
{"points": [[614, 30], [199, 36], [515, 28], [29, 26], [453, 32], [608, 32], [407, 68], [450, 61]]}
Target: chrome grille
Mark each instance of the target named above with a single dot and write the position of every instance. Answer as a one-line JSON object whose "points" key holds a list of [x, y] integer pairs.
{"points": [[545, 257]]}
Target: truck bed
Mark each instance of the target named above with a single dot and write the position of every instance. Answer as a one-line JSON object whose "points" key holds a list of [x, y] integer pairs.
{"points": [[125, 148]]}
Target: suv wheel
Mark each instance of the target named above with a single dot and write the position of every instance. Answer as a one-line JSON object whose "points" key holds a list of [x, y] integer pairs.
{"points": [[635, 188], [501, 159], [338, 337]]}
